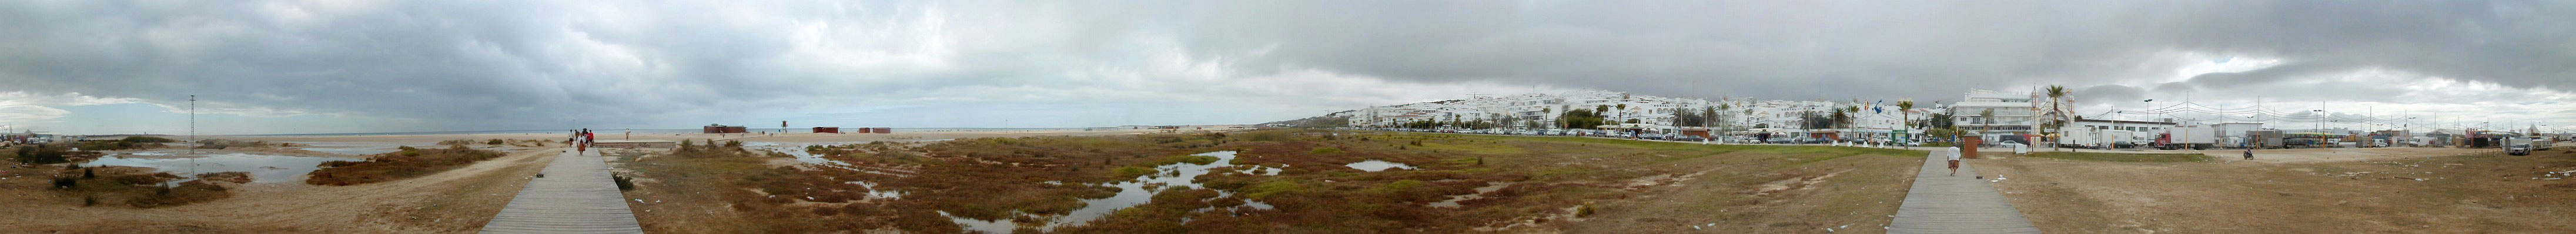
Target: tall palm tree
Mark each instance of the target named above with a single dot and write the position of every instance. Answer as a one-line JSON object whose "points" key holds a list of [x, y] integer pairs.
{"points": [[1902, 105], [1623, 108], [1838, 118], [1986, 121], [2056, 109]]}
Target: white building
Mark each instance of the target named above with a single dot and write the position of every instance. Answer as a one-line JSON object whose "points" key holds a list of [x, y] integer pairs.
{"points": [[2013, 113], [2125, 125]]}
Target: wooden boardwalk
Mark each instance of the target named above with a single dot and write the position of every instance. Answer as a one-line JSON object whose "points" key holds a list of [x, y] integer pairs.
{"points": [[576, 196], [1940, 203]]}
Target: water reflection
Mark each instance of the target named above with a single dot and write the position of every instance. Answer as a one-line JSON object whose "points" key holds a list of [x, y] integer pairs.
{"points": [[262, 167], [1378, 165], [1130, 194]]}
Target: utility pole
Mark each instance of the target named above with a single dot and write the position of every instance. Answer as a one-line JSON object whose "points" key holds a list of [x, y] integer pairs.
{"points": [[192, 135]]}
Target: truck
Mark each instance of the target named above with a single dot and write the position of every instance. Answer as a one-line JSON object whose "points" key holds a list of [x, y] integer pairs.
{"points": [[2542, 143], [2200, 137], [2264, 139], [2091, 138], [2517, 145], [2236, 134]]}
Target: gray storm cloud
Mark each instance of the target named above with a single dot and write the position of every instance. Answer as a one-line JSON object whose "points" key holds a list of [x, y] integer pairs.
{"points": [[536, 63]]}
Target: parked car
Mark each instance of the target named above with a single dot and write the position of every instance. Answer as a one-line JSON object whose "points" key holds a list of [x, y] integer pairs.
{"points": [[2517, 145]]}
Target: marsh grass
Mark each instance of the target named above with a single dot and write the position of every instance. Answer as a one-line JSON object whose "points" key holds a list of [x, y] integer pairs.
{"points": [[138, 188], [407, 163], [1032, 178]]}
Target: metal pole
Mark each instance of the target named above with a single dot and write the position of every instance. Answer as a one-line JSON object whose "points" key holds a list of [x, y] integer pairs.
{"points": [[192, 135]]}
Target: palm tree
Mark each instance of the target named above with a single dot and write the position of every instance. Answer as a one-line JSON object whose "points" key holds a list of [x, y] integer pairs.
{"points": [[1623, 108], [2056, 109], [1902, 105], [1838, 118], [1986, 121]]}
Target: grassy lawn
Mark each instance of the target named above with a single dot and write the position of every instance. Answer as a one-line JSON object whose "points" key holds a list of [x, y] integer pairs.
{"points": [[1496, 183], [2123, 157]]}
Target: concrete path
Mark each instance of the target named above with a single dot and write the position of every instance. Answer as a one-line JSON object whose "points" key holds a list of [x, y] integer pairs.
{"points": [[1940, 203], [576, 196]]}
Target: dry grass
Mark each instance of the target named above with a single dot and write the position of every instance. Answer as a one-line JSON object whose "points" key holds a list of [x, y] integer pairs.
{"points": [[408, 163], [137, 187], [2455, 194]]}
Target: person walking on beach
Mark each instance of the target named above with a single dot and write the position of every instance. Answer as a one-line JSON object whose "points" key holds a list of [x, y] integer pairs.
{"points": [[1954, 160]]}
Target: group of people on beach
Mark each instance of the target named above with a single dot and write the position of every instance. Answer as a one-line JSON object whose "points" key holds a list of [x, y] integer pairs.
{"points": [[581, 140]]}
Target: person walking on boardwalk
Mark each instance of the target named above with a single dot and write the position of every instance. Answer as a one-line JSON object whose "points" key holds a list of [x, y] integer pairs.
{"points": [[1953, 151], [581, 141]]}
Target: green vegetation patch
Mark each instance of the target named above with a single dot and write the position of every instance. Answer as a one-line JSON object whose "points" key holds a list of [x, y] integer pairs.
{"points": [[2123, 157]]}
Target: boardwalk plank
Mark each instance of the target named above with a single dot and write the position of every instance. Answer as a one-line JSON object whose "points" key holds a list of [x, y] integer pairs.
{"points": [[576, 196], [1940, 203]]}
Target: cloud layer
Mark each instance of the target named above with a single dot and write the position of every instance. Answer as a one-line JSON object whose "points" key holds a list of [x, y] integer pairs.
{"points": [[535, 65]]}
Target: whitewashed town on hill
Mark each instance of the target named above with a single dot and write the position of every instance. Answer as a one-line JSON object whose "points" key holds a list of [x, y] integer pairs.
{"points": [[1989, 116]]}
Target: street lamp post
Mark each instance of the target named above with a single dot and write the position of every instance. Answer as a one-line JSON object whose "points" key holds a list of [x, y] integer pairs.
{"points": [[192, 135]]}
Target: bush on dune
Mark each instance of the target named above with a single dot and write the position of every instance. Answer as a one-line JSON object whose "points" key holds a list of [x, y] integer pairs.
{"points": [[408, 163]]}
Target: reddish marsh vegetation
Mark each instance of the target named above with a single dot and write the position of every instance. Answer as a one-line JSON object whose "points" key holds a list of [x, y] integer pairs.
{"points": [[1290, 181], [408, 163]]}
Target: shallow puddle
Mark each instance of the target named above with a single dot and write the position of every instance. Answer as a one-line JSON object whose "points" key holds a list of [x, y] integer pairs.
{"points": [[1480, 193], [1130, 194], [1378, 165], [995, 226], [797, 150], [262, 167]]}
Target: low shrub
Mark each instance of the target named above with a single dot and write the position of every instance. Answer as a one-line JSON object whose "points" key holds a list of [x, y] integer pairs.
{"points": [[186, 193], [456, 142], [221, 144], [1326, 150], [494, 142], [1131, 172], [96, 145], [411, 162], [229, 177], [142, 179], [147, 139], [65, 182], [623, 183]]}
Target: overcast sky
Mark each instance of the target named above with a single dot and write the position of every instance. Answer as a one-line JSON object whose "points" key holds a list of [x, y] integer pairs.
{"points": [[88, 66]]}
